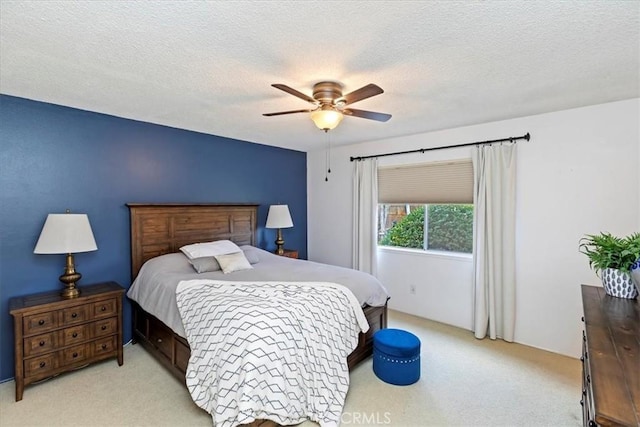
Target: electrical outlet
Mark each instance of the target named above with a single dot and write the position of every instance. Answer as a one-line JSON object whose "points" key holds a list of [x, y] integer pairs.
{"points": [[412, 289]]}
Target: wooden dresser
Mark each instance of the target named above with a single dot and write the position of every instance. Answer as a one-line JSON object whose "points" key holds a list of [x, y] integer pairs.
{"points": [[610, 359], [55, 335]]}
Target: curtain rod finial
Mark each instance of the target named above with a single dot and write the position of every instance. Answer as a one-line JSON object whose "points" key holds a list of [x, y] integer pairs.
{"points": [[527, 136]]}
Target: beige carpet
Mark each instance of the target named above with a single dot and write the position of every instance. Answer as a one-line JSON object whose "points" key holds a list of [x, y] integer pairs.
{"points": [[465, 382]]}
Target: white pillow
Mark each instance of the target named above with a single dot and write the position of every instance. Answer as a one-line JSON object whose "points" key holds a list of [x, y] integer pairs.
{"points": [[219, 247], [233, 262]]}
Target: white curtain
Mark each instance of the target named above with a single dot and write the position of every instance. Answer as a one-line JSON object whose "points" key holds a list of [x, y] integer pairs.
{"points": [[494, 186], [365, 206]]}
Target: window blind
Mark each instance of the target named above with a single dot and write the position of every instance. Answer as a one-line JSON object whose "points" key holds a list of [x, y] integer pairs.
{"points": [[435, 182]]}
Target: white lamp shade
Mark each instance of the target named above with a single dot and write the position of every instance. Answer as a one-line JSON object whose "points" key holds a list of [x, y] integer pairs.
{"points": [[279, 217], [65, 234]]}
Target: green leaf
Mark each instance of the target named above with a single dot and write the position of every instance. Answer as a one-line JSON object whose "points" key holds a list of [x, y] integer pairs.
{"points": [[605, 250]]}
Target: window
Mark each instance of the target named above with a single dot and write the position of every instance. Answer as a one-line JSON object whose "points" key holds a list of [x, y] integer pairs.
{"points": [[441, 227], [427, 206]]}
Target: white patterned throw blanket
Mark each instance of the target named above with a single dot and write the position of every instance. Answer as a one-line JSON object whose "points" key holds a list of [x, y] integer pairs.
{"points": [[269, 350]]}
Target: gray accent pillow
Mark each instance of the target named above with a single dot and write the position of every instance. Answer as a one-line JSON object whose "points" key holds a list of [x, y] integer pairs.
{"points": [[202, 265], [251, 253], [209, 263]]}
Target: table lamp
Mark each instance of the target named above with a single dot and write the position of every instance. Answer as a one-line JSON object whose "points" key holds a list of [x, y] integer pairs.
{"points": [[279, 217], [67, 234]]}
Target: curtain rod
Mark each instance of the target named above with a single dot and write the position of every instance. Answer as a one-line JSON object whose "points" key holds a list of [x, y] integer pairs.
{"points": [[422, 150]]}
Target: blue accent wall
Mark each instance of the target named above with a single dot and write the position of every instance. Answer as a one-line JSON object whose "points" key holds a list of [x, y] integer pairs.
{"points": [[54, 158]]}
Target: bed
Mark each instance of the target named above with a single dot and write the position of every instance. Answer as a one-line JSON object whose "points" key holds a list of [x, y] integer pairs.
{"points": [[161, 229]]}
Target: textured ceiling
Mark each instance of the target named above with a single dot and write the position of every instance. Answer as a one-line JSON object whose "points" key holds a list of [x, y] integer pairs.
{"points": [[208, 66]]}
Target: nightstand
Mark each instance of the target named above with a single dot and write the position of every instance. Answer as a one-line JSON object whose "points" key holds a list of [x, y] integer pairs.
{"points": [[289, 253], [55, 335]]}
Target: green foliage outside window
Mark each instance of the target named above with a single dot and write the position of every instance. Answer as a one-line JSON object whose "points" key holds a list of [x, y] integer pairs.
{"points": [[408, 232], [450, 228]]}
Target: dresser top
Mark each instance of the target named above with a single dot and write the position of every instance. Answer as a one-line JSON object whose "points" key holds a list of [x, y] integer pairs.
{"points": [[54, 298], [612, 327]]}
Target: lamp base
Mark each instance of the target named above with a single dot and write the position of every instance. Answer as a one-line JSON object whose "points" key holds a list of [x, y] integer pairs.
{"points": [[69, 293], [69, 278], [279, 243]]}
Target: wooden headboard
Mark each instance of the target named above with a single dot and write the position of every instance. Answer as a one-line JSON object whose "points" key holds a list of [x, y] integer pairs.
{"points": [[158, 229]]}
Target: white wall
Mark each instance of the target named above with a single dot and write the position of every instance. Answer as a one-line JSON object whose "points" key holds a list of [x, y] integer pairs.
{"points": [[578, 174]]}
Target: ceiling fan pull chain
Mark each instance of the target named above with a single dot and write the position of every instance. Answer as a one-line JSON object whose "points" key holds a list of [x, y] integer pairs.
{"points": [[326, 163], [329, 155]]}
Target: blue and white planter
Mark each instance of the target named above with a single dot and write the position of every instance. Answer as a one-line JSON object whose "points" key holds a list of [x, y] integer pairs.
{"points": [[635, 273], [619, 283]]}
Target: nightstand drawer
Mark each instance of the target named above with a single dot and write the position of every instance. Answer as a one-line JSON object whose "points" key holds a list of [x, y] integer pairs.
{"points": [[75, 354], [40, 344], [39, 366], [42, 322], [105, 309], [103, 346], [105, 327], [76, 314], [75, 335]]}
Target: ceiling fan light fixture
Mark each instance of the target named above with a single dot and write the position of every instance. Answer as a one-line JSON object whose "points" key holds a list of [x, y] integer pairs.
{"points": [[329, 105], [326, 118]]}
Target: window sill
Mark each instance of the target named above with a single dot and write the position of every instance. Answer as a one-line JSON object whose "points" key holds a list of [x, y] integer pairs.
{"points": [[426, 253]]}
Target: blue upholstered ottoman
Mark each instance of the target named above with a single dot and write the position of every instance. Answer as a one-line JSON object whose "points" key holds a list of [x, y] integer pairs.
{"points": [[396, 356]]}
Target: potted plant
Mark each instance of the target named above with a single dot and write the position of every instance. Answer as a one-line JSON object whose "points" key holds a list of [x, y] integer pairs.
{"points": [[634, 247], [612, 257]]}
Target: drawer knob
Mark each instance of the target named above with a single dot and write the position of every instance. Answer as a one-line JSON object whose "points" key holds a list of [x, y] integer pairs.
{"points": [[103, 308], [104, 346], [75, 354], [104, 327], [75, 335], [41, 343], [41, 322], [159, 339], [74, 315], [42, 364]]}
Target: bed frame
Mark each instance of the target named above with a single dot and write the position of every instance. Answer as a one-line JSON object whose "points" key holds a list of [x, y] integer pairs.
{"points": [[158, 229]]}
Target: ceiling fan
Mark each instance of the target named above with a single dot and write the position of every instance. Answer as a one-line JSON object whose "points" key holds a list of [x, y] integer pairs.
{"points": [[330, 104]]}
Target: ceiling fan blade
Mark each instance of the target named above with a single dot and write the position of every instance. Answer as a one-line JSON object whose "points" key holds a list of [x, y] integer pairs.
{"points": [[294, 92], [372, 115], [363, 93], [286, 112]]}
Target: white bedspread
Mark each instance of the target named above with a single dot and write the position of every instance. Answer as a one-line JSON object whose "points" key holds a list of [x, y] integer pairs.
{"points": [[269, 350]]}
